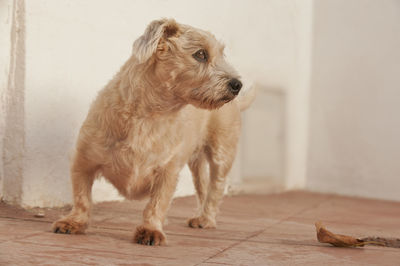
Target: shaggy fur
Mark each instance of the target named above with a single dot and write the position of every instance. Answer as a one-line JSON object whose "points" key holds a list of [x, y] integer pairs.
{"points": [[171, 104]]}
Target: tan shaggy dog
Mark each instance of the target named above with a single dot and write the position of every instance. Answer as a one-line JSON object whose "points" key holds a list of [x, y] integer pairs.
{"points": [[172, 103]]}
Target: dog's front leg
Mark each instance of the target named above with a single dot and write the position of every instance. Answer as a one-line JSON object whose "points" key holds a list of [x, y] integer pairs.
{"points": [[162, 190], [82, 177]]}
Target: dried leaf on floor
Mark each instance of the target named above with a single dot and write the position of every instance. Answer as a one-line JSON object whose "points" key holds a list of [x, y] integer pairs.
{"points": [[325, 236]]}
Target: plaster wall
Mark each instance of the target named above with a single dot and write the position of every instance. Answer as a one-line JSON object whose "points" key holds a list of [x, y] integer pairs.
{"points": [[71, 49], [74, 48], [12, 84], [355, 99], [6, 11]]}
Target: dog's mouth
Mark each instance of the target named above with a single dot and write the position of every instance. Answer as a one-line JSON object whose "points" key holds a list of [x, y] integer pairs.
{"points": [[227, 99], [211, 102]]}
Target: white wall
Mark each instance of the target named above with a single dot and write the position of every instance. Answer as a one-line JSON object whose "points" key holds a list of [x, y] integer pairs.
{"points": [[355, 99], [12, 99], [72, 48], [6, 11], [275, 135]]}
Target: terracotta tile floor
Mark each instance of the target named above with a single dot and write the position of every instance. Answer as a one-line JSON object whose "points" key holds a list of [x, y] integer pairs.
{"points": [[252, 230]]}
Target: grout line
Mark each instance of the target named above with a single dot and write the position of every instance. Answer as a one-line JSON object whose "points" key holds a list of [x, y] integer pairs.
{"points": [[18, 238], [265, 229], [219, 263], [127, 230], [231, 246], [89, 249], [26, 219]]}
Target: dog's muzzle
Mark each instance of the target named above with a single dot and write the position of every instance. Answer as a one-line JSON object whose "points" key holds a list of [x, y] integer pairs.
{"points": [[234, 86]]}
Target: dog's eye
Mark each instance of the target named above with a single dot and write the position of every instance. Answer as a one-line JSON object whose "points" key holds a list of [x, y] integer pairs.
{"points": [[201, 55]]}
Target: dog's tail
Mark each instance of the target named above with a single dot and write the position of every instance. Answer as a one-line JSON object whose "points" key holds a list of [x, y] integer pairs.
{"points": [[246, 99]]}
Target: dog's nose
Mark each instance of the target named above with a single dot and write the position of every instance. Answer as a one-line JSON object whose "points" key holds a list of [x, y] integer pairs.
{"points": [[234, 86]]}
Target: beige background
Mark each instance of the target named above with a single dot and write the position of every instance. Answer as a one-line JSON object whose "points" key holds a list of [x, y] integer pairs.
{"points": [[355, 99], [325, 119]]}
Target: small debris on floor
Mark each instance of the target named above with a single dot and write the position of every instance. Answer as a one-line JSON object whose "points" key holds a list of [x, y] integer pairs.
{"points": [[337, 240], [40, 214]]}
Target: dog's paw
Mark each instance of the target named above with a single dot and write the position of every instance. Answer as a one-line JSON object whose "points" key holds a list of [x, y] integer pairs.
{"points": [[201, 222], [69, 226], [150, 237]]}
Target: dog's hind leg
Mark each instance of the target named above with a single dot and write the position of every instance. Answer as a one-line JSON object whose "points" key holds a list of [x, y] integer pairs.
{"points": [[82, 177], [198, 166], [221, 154]]}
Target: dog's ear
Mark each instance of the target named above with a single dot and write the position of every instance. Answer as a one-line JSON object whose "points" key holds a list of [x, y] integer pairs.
{"points": [[157, 32]]}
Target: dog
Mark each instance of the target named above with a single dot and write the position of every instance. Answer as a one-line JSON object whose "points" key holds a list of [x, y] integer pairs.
{"points": [[174, 102]]}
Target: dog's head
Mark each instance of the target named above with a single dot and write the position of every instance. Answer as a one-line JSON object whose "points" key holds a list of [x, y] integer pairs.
{"points": [[190, 62]]}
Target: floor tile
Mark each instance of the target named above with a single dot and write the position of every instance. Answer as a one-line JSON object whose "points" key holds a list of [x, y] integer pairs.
{"points": [[275, 229], [255, 253]]}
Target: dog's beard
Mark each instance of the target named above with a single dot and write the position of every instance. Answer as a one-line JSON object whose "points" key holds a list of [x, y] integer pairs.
{"points": [[227, 98], [211, 102]]}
